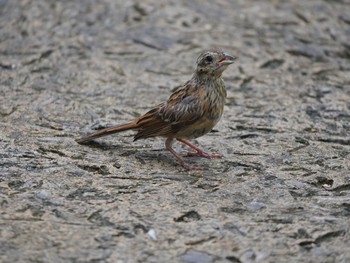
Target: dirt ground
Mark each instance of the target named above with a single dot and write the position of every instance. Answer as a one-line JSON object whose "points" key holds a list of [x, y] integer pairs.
{"points": [[280, 194]]}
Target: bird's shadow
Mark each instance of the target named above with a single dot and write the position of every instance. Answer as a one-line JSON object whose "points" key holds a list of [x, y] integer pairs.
{"points": [[145, 154]]}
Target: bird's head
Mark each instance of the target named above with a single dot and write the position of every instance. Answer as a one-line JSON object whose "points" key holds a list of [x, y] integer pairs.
{"points": [[213, 62]]}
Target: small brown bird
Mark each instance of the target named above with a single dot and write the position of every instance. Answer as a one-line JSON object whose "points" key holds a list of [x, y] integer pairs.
{"points": [[190, 112]]}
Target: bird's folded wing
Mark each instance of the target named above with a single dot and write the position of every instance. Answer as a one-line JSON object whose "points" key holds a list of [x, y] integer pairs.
{"points": [[183, 108]]}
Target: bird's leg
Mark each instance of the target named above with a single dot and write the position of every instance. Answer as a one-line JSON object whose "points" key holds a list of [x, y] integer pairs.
{"points": [[168, 146], [198, 152]]}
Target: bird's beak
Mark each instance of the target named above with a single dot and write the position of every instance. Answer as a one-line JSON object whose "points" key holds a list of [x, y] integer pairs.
{"points": [[226, 59]]}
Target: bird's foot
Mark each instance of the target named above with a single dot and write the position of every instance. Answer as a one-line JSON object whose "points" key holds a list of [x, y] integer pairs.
{"points": [[203, 154]]}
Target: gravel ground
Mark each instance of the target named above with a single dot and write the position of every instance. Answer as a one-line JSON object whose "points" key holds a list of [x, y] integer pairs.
{"points": [[280, 194]]}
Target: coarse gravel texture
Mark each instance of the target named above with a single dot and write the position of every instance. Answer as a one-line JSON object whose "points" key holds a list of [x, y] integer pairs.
{"points": [[280, 194]]}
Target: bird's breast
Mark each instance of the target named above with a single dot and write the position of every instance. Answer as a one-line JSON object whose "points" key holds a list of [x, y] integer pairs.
{"points": [[211, 116], [214, 103]]}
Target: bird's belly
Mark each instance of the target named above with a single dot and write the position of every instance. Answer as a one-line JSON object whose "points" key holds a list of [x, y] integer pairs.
{"points": [[201, 126]]}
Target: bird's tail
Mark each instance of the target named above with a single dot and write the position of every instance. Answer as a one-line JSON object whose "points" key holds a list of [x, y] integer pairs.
{"points": [[107, 131]]}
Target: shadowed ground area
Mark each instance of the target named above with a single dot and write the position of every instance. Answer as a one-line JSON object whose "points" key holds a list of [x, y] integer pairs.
{"points": [[280, 194]]}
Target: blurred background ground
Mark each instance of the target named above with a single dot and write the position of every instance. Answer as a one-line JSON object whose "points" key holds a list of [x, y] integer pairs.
{"points": [[282, 192]]}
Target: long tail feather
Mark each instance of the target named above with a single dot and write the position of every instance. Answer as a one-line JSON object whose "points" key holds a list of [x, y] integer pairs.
{"points": [[107, 131]]}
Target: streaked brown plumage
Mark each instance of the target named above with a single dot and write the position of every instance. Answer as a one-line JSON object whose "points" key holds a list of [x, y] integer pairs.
{"points": [[190, 112]]}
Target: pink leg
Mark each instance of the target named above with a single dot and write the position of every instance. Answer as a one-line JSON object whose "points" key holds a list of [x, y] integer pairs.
{"points": [[198, 152], [168, 146]]}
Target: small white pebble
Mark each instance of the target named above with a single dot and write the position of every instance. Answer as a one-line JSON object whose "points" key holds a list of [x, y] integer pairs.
{"points": [[152, 234]]}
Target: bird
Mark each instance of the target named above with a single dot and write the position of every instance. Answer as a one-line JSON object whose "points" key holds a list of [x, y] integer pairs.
{"points": [[190, 112]]}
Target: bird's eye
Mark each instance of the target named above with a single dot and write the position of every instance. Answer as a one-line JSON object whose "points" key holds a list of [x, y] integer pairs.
{"points": [[209, 58]]}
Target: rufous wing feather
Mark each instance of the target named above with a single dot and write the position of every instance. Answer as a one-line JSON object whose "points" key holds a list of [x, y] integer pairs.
{"points": [[182, 108]]}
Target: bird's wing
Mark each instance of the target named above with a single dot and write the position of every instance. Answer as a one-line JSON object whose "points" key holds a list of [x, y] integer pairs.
{"points": [[184, 107]]}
